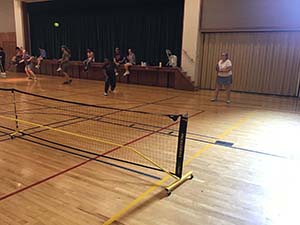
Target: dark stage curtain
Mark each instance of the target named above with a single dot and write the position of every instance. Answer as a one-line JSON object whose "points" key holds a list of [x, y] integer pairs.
{"points": [[147, 27]]}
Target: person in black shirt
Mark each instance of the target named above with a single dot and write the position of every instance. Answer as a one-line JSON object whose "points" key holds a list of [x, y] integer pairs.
{"points": [[2, 60], [90, 59], [110, 77], [15, 60]]}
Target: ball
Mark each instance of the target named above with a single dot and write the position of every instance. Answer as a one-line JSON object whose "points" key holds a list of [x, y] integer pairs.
{"points": [[56, 24]]}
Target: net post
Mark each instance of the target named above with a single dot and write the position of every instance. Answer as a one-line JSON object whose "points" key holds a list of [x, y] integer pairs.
{"points": [[181, 144], [16, 114], [180, 157]]}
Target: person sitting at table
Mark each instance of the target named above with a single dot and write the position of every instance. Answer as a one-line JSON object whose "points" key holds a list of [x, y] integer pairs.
{"points": [[41, 57], [89, 60], [130, 61], [118, 60]]}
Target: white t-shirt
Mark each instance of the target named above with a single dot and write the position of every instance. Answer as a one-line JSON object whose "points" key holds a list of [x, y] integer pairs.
{"points": [[224, 65]]}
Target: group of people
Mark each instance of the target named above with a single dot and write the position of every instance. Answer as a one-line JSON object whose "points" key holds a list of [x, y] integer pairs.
{"points": [[22, 56], [110, 67], [128, 61]]}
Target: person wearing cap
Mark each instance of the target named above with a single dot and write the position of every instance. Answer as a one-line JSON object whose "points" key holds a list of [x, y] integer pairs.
{"points": [[224, 78], [64, 63]]}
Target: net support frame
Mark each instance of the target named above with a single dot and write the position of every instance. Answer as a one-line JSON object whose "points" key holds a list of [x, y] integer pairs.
{"points": [[180, 156], [177, 176], [12, 135]]}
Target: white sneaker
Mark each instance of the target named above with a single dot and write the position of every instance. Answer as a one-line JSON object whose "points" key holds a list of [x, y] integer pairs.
{"points": [[59, 69], [3, 74], [105, 94], [213, 100], [228, 101], [126, 73], [37, 66]]}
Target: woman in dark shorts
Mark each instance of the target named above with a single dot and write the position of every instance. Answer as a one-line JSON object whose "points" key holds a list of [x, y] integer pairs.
{"points": [[27, 59], [224, 78], [65, 63]]}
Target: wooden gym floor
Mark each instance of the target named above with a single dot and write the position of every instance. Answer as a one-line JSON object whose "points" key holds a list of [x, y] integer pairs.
{"points": [[253, 182]]}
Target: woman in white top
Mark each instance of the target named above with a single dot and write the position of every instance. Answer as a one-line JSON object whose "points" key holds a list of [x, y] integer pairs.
{"points": [[224, 78]]}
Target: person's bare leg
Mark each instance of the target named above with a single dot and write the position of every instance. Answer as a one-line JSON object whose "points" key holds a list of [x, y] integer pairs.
{"points": [[32, 74], [68, 78], [39, 60], [218, 87], [27, 73], [126, 66], [228, 92]]}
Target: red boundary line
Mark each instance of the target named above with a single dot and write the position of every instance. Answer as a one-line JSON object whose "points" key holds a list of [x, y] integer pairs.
{"points": [[87, 161]]}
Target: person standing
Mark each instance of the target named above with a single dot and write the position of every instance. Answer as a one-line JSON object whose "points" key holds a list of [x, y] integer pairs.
{"points": [[110, 76], [130, 61], [224, 78], [27, 59], [2, 61], [65, 63]]}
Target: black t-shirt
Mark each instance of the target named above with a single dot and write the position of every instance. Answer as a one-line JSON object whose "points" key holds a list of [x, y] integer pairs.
{"points": [[110, 69], [2, 56], [119, 57]]}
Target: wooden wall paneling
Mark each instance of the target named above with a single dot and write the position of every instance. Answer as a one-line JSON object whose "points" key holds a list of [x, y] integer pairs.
{"points": [[263, 62], [162, 79], [254, 15], [133, 77]]}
